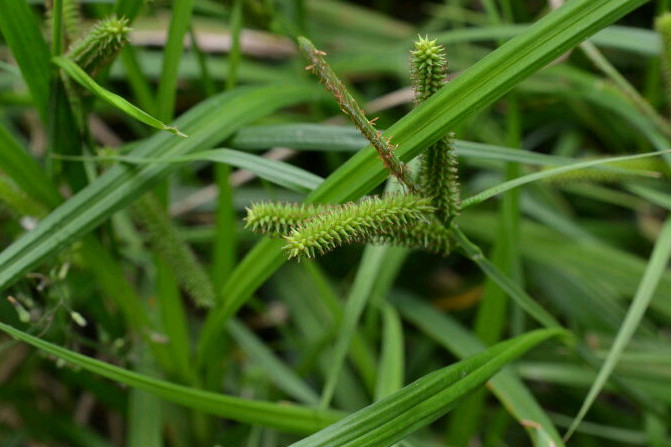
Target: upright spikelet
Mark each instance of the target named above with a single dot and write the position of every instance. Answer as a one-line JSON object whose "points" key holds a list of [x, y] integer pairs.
{"points": [[373, 217], [101, 45], [428, 69], [438, 172], [72, 19], [278, 219]]}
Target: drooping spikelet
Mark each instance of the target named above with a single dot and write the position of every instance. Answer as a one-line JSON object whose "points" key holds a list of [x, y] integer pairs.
{"points": [[101, 45], [174, 250], [614, 172], [438, 172], [361, 222], [278, 219]]}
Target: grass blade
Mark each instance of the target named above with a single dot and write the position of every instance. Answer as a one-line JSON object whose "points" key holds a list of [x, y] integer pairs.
{"points": [[507, 186], [285, 378], [653, 273], [369, 269], [79, 75], [291, 418], [22, 33], [392, 360], [507, 387], [25, 171], [172, 54], [280, 173]]}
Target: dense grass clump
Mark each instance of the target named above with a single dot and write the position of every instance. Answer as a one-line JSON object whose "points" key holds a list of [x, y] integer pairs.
{"points": [[289, 223]]}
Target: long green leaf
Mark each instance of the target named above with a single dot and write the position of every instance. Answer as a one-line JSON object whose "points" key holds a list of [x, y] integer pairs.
{"points": [[511, 184], [653, 274], [291, 418], [172, 55], [420, 403], [369, 269], [23, 35], [280, 173], [449, 333], [76, 73], [284, 377], [25, 171]]}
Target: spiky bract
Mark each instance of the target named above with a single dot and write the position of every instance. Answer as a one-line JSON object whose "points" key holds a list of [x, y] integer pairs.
{"points": [[100, 46], [278, 219], [438, 172], [373, 217]]}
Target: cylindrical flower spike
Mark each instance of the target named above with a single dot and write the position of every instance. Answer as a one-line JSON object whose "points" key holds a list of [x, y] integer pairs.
{"points": [[278, 219], [438, 172], [372, 218], [101, 45]]}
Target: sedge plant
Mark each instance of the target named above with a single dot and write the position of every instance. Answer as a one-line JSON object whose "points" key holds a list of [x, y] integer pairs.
{"points": [[417, 218]]}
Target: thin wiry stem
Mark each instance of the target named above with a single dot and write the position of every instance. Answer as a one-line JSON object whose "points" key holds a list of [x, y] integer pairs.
{"points": [[351, 108]]}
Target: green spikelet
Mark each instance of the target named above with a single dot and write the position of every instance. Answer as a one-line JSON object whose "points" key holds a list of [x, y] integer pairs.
{"points": [[428, 69], [620, 171], [278, 219], [361, 222], [100, 46], [72, 19], [438, 172], [168, 242], [663, 28]]}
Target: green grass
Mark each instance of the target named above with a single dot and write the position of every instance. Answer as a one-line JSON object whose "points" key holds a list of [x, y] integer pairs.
{"points": [[160, 321]]}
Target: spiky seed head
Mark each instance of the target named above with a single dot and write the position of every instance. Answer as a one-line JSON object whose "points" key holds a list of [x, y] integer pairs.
{"points": [[101, 45], [277, 219], [428, 68], [356, 223]]}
